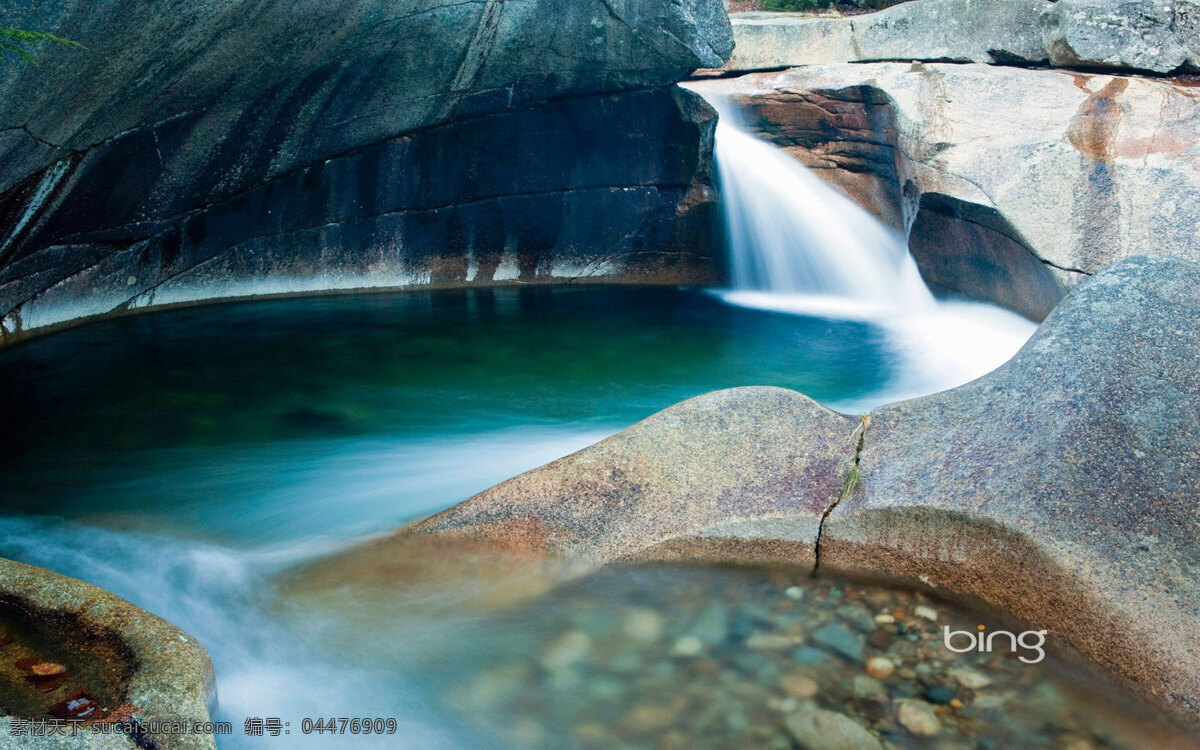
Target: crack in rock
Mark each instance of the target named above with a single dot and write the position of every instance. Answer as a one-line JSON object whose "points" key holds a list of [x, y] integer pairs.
{"points": [[848, 487]]}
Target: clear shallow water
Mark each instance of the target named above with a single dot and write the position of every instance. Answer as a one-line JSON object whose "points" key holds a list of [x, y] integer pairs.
{"points": [[184, 459], [666, 657]]}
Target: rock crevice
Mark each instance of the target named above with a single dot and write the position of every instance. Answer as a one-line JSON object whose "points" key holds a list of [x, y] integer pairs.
{"points": [[849, 485]]}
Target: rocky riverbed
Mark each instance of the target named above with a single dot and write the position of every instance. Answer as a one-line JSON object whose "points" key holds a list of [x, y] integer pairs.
{"points": [[664, 657]]}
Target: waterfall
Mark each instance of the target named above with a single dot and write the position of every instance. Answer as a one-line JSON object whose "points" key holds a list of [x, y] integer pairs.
{"points": [[794, 238], [797, 245]]}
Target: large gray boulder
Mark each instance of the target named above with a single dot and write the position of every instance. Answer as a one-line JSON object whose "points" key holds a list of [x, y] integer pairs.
{"points": [[734, 476], [1014, 184], [1064, 487], [766, 41], [1187, 24], [981, 31], [1159, 36], [244, 148]]}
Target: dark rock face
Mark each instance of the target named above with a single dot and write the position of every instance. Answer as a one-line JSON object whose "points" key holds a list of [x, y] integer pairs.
{"points": [[320, 77], [545, 193], [247, 148], [1064, 487], [973, 249]]}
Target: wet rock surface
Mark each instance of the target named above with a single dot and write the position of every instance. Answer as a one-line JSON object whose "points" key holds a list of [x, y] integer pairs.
{"points": [[36, 683], [73, 654]]}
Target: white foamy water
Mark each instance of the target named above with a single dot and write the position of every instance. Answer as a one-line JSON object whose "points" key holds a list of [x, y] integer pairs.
{"points": [[329, 488], [267, 665], [270, 660], [791, 234], [798, 246]]}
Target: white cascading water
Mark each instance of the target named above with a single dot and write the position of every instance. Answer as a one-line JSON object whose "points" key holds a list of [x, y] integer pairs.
{"points": [[797, 245], [791, 235]]}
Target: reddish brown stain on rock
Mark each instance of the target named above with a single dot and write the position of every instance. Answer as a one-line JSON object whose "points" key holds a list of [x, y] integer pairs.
{"points": [[1094, 128]]}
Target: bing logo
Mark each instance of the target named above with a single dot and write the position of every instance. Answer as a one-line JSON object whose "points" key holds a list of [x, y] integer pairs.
{"points": [[1031, 641]]}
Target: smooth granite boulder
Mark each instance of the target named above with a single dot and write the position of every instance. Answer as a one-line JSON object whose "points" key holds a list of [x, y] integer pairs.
{"points": [[767, 41], [1156, 36], [214, 149], [980, 31], [1063, 488]]}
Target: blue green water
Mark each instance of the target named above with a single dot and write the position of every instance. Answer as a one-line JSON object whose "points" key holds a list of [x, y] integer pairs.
{"points": [[258, 422]]}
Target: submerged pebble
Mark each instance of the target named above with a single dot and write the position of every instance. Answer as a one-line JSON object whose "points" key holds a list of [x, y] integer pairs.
{"points": [[917, 717], [840, 640], [969, 678], [565, 651], [799, 686], [47, 669], [815, 729], [880, 667]]}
